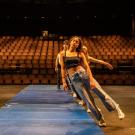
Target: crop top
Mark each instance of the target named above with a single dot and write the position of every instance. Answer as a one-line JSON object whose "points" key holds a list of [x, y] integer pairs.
{"points": [[72, 61]]}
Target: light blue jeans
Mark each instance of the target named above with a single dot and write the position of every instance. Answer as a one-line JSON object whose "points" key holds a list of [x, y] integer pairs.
{"points": [[81, 82], [108, 102]]}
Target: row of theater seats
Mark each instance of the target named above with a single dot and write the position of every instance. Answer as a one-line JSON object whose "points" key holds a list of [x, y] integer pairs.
{"points": [[34, 52], [115, 79], [32, 59], [28, 79], [105, 79], [116, 50], [28, 52], [111, 47]]}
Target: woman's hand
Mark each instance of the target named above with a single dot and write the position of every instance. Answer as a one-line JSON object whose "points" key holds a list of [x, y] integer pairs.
{"points": [[92, 84], [109, 65], [56, 69], [65, 86]]}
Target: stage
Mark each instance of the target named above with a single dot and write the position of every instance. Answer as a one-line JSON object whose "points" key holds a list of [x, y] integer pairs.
{"points": [[44, 110]]}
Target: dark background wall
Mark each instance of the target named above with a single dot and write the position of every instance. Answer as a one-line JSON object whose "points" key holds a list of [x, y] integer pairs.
{"points": [[66, 16]]}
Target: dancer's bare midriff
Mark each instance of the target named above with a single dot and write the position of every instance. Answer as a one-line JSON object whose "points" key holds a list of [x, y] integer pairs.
{"points": [[72, 70]]}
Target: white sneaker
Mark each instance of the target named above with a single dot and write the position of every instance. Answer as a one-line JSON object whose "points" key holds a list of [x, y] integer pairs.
{"points": [[121, 115], [81, 102], [74, 95], [102, 122], [88, 111]]}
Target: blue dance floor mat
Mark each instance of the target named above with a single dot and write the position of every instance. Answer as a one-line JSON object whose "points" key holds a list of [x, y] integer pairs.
{"points": [[44, 110]]}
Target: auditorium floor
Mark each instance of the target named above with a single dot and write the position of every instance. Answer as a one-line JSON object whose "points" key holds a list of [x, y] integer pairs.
{"points": [[9, 91], [124, 95]]}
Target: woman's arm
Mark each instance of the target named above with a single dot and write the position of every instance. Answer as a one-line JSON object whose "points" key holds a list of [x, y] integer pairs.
{"points": [[89, 58], [86, 65], [100, 62], [63, 73], [57, 62]]}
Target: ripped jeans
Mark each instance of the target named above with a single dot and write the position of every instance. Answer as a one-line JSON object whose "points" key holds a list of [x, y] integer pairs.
{"points": [[81, 82], [108, 102]]}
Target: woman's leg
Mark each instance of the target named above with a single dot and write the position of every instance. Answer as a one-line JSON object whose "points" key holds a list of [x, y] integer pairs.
{"points": [[58, 77], [101, 121], [109, 103], [88, 95], [82, 86], [72, 90]]}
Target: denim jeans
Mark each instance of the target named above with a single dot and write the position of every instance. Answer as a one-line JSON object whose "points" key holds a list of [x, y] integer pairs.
{"points": [[58, 76], [81, 82], [108, 102]]}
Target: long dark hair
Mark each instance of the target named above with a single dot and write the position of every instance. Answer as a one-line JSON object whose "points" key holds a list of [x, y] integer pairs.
{"points": [[79, 48]]}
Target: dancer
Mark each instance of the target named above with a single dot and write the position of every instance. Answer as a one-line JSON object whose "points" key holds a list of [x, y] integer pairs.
{"points": [[57, 69], [109, 103], [58, 63], [74, 66]]}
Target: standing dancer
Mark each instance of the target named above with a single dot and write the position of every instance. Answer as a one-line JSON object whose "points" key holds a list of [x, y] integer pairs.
{"points": [[109, 103], [75, 66], [58, 63]]}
